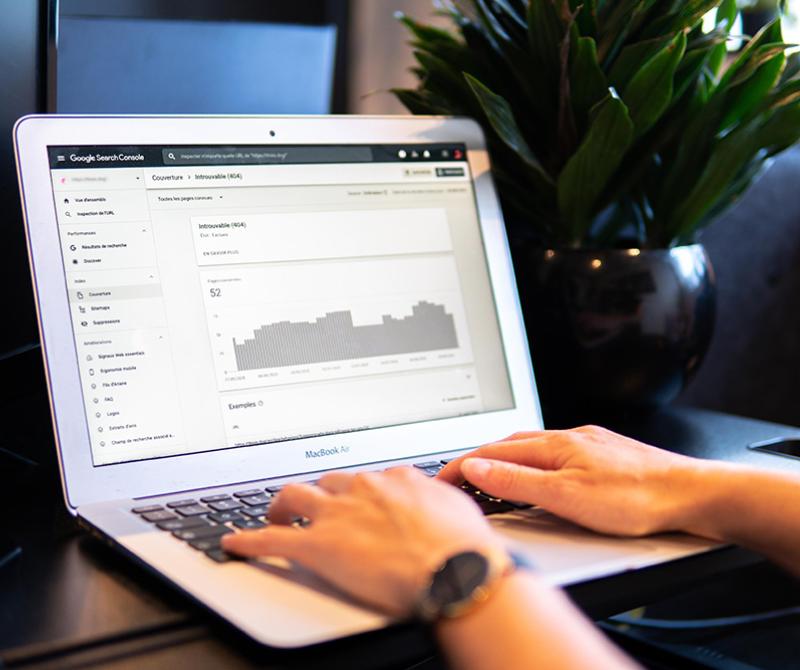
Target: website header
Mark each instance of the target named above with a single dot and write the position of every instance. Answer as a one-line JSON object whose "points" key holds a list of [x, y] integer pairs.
{"points": [[104, 156]]}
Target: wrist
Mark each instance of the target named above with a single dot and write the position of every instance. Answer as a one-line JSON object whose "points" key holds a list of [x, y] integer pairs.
{"points": [[508, 588], [708, 492]]}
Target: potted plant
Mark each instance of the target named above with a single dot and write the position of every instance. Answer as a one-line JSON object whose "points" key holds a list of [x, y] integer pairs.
{"points": [[617, 129]]}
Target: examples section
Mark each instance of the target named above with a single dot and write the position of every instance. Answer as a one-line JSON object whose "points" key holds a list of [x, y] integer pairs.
{"points": [[301, 322], [293, 236], [269, 415]]}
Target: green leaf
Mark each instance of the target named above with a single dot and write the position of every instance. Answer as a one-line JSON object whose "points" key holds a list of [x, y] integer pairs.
{"points": [[510, 18], [587, 16], [700, 136], [780, 131], [589, 170], [726, 15], [752, 84], [500, 116], [689, 70], [631, 59], [650, 91], [589, 85], [687, 15], [442, 79], [792, 69], [416, 102], [787, 93], [769, 34], [545, 32], [730, 157], [617, 21], [567, 130], [426, 34]]}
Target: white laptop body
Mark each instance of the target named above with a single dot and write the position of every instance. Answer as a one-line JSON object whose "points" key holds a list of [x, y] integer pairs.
{"points": [[227, 304]]}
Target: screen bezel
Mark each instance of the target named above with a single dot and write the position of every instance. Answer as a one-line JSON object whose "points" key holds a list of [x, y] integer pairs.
{"points": [[83, 482]]}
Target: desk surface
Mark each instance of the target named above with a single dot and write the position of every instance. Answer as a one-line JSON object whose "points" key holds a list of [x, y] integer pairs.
{"points": [[68, 595]]}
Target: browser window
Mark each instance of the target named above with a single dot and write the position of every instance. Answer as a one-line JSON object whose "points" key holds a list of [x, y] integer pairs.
{"points": [[227, 297]]}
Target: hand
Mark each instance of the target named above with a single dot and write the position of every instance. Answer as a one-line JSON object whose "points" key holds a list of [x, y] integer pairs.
{"points": [[588, 475], [376, 536]]}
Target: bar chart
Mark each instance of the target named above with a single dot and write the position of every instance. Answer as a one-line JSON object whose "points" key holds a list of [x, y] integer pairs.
{"points": [[334, 337], [284, 324]]}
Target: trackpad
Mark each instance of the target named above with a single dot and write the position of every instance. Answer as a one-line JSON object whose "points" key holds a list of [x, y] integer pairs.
{"points": [[566, 553]]}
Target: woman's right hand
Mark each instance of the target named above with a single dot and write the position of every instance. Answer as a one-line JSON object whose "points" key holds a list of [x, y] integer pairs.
{"points": [[591, 476]]}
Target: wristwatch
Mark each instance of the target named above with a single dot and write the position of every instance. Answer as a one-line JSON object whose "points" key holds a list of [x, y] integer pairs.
{"points": [[464, 581]]}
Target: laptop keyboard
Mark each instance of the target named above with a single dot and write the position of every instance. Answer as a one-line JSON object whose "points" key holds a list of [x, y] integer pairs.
{"points": [[202, 522]]}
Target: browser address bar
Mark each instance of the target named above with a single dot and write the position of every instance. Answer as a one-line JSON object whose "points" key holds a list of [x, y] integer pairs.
{"points": [[264, 156]]}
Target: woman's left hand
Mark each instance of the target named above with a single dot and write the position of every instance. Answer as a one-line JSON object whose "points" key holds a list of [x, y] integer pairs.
{"points": [[376, 536]]}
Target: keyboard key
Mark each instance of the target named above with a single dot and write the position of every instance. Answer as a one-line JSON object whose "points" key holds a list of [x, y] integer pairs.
{"points": [[225, 505], [181, 524], [262, 499], [428, 464], [445, 461], [274, 489], [248, 493], [221, 556], [224, 517], [201, 533], [494, 506], [253, 512], [205, 545], [249, 524], [182, 503], [192, 510], [161, 515], [215, 498], [431, 472], [146, 509]]}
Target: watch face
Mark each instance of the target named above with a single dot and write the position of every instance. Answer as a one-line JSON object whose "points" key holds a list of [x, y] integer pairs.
{"points": [[459, 577]]}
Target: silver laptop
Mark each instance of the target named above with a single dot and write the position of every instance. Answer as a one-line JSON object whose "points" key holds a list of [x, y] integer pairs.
{"points": [[228, 304]]}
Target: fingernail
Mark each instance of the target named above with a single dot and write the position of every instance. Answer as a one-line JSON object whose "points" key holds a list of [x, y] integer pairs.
{"points": [[476, 467]]}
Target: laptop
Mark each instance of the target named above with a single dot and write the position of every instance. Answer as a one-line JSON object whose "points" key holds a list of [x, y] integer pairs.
{"points": [[228, 304]]}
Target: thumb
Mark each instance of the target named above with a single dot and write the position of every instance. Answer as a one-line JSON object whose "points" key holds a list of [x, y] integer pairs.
{"points": [[502, 479]]}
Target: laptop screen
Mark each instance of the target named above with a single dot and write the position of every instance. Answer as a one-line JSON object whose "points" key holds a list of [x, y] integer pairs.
{"points": [[231, 296]]}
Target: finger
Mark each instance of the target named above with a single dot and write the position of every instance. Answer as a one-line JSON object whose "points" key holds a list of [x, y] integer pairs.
{"points": [[336, 482], [404, 473], [297, 500], [522, 435], [535, 451], [288, 543], [513, 482]]}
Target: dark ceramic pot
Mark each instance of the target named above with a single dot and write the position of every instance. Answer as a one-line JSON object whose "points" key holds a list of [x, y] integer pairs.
{"points": [[615, 330]]}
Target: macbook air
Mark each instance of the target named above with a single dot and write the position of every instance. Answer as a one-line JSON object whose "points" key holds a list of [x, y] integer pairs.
{"points": [[228, 304]]}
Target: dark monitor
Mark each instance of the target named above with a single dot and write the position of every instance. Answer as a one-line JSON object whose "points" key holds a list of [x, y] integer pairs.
{"points": [[22, 86], [198, 57], [117, 65]]}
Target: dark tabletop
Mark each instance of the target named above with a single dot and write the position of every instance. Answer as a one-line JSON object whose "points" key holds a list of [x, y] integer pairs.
{"points": [[65, 598]]}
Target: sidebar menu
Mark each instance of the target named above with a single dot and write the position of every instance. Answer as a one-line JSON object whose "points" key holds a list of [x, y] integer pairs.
{"points": [[118, 313]]}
